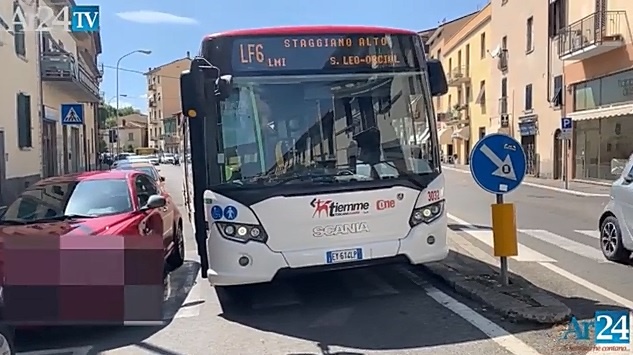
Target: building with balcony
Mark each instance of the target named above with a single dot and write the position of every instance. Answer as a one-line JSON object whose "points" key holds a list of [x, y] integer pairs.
{"points": [[69, 74], [596, 46], [467, 66], [163, 97], [20, 148], [526, 80], [447, 116]]}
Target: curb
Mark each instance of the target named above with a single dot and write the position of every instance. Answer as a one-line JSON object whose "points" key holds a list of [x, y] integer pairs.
{"points": [[520, 301]]}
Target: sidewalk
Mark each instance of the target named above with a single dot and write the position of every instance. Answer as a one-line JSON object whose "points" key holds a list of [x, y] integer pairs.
{"points": [[575, 187]]}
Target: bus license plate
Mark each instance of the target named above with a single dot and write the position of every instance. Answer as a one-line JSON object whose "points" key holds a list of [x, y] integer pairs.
{"points": [[339, 256]]}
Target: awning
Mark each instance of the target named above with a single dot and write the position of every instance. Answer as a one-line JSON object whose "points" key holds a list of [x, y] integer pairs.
{"points": [[462, 133], [604, 112], [444, 136]]}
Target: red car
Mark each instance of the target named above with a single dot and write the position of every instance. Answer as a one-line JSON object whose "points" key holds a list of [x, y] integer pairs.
{"points": [[115, 202]]}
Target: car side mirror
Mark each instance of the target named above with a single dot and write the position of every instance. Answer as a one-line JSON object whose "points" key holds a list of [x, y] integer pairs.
{"points": [[162, 178], [437, 77], [628, 178], [155, 201]]}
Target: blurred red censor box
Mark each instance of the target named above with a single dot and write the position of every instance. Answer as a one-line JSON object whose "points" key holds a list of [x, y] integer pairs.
{"points": [[79, 279]]}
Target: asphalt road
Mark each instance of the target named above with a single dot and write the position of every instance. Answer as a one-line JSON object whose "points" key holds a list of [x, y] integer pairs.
{"points": [[386, 310]]}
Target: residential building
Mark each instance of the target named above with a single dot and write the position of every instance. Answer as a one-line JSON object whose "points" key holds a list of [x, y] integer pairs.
{"points": [[69, 74], [20, 148], [525, 78], [132, 135], [437, 44], [163, 94], [596, 46], [172, 131], [467, 71]]}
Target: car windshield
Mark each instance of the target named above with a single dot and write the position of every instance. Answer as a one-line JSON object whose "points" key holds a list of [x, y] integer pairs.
{"points": [[91, 198], [366, 126]]}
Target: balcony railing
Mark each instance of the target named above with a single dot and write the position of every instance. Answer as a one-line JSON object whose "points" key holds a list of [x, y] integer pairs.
{"points": [[595, 34], [458, 76], [502, 60], [63, 67], [151, 87], [152, 102]]}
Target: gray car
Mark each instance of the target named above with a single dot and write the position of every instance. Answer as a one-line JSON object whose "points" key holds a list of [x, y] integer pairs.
{"points": [[616, 221]]}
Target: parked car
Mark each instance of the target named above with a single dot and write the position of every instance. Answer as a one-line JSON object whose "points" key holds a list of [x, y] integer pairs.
{"points": [[154, 159], [168, 158], [113, 202], [148, 169], [616, 222]]}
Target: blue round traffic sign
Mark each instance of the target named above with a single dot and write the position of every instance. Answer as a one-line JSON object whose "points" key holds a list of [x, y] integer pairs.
{"points": [[497, 163], [230, 212], [216, 212]]}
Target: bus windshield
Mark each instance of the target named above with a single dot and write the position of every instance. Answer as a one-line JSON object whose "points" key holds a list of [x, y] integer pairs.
{"points": [[356, 127]]}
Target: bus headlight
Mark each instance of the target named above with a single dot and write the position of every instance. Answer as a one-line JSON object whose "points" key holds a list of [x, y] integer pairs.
{"points": [[426, 214], [243, 233]]}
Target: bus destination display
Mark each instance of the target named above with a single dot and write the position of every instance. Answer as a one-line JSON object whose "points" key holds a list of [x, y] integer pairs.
{"points": [[313, 53]]}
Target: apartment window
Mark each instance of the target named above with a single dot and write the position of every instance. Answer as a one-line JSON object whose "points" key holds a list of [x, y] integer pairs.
{"points": [[467, 94], [439, 54], [528, 97], [504, 42], [482, 45], [529, 31], [158, 79], [481, 97], [556, 17], [19, 38], [130, 136], [450, 65], [504, 87], [482, 132], [25, 138], [557, 99]]}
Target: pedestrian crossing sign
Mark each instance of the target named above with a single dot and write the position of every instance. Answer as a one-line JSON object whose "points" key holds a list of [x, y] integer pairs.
{"points": [[72, 114]]}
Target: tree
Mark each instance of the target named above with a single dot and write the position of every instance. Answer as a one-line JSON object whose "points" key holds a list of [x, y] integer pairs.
{"points": [[103, 146], [107, 114], [130, 149]]}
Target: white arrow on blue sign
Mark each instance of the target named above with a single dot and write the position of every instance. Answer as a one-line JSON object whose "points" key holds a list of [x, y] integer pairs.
{"points": [[498, 164]]}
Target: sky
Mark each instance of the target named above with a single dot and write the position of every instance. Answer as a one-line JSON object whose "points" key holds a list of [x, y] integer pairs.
{"points": [[169, 29]]}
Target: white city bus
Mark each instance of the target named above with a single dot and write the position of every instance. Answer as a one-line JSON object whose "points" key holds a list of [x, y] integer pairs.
{"points": [[312, 148]]}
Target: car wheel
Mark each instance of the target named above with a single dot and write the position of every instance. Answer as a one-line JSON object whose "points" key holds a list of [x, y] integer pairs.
{"points": [[177, 257], [7, 346], [611, 241]]}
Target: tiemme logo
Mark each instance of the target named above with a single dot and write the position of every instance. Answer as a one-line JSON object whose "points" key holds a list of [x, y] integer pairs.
{"points": [[329, 208]]}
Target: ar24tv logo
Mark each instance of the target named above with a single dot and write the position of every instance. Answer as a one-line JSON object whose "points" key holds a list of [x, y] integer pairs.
{"points": [[81, 18], [611, 328]]}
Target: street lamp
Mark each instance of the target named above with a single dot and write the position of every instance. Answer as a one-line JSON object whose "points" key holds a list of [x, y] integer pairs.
{"points": [[118, 63]]}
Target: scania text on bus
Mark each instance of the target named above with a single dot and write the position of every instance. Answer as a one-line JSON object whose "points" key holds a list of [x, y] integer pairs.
{"points": [[312, 148]]}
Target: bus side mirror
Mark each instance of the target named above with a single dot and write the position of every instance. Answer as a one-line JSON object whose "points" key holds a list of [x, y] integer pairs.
{"points": [[437, 79], [189, 95], [224, 87]]}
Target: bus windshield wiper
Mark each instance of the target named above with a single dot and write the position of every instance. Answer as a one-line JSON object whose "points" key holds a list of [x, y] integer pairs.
{"points": [[12, 222], [310, 176]]}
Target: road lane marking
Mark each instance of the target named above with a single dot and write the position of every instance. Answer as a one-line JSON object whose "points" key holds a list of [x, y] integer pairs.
{"points": [[485, 236], [545, 187], [589, 285], [566, 244], [491, 329], [589, 233], [572, 277]]}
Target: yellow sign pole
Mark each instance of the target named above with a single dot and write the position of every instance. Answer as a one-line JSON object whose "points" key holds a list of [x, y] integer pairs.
{"points": [[504, 232]]}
